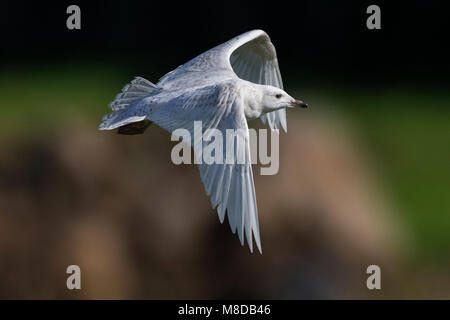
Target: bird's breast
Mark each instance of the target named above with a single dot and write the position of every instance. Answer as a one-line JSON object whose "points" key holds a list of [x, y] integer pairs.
{"points": [[252, 111]]}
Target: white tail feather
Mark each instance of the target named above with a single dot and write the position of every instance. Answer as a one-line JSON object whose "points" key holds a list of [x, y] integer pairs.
{"points": [[131, 92], [137, 88]]}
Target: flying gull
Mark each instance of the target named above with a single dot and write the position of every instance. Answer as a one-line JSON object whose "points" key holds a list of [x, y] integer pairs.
{"points": [[223, 88]]}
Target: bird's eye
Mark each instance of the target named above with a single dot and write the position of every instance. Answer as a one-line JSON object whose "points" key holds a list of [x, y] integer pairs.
{"points": [[278, 96]]}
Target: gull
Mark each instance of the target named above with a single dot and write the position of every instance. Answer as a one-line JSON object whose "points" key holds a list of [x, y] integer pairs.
{"points": [[224, 88]]}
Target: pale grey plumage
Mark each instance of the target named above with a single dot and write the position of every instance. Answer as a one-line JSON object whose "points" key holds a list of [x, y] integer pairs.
{"points": [[221, 88]]}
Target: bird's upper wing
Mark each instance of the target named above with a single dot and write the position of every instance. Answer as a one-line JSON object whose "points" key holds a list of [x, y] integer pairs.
{"points": [[251, 56], [229, 185]]}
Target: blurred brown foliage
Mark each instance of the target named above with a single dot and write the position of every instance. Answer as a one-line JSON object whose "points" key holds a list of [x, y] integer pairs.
{"points": [[142, 227]]}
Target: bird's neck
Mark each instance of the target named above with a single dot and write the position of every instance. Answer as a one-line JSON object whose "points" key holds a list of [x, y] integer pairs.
{"points": [[253, 106]]}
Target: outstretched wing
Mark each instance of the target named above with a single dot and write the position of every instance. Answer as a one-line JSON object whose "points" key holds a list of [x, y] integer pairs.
{"points": [[251, 56], [230, 183]]}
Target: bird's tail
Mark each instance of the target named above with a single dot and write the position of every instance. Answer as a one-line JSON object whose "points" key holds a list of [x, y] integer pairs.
{"points": [[131, 92]]}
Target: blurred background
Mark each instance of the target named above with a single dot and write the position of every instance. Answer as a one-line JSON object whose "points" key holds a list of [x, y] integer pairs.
{"points": [[364, 172]]}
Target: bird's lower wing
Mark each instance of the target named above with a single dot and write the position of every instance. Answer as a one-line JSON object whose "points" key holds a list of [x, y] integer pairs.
{"points": [[230, 183], [275, 119]]}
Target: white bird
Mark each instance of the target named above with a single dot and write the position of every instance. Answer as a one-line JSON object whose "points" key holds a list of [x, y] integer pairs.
{"points": [[224, 87]]}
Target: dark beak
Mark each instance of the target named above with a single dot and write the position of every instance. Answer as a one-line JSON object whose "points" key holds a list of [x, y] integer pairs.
{"points": [[298, 103]]}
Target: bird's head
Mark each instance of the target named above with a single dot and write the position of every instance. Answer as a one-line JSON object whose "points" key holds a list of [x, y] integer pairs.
{"points": [[274, 98]]}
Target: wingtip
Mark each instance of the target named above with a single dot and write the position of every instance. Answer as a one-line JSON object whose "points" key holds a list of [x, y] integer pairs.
{"points": [[241, 237], [284, 126], [261, 31], [250, 246], [259, 248], [258, 241]]}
